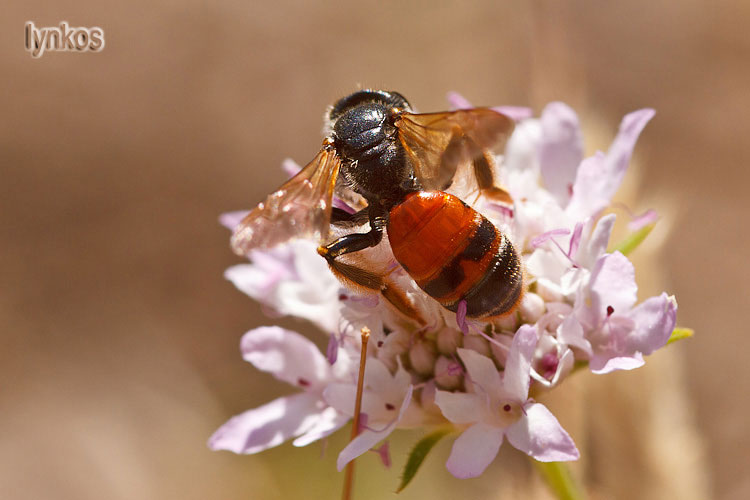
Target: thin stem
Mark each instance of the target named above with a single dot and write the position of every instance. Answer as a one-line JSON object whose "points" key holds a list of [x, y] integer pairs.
{"points": [[349, 477], [560, 480]]}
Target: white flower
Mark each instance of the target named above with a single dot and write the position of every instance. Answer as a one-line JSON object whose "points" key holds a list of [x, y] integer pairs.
{"points": [[580, 306], [306, 416], [499, 407]]}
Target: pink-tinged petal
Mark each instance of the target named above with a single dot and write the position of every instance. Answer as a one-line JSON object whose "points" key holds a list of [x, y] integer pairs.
{"points": [[230, 219], [339, 203], [619, 153], [596, 246], [561, 150], [639, 221], [654, 321], [518, 365], [287, 355], [600, 176], [612, 285], [474, 450], [290, 167], [328, 422], [377, 377], [517, 113], [522, 153], [341, 396], [361, 444], [268, 425], [588, 197], [570, 332], [606, 363], [481, 370], [540, 435], [457, 101], [368, 438], [460, 407]]}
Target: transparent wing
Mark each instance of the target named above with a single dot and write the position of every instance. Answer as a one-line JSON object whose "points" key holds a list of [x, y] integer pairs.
{"points": [[438, 143], [301, 207]]}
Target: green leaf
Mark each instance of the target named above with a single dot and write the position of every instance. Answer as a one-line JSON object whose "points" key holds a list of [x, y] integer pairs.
{"points": [[560, 480], [634, 239], [679, 334], [418, 454]]}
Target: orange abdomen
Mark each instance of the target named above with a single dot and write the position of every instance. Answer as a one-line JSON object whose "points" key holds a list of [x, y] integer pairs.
{"points": [[454, 253]]}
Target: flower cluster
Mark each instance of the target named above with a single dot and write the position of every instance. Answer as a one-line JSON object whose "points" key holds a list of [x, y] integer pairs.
{"points": [[579, 309]]}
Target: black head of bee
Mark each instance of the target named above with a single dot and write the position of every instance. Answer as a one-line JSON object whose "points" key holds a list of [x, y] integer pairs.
{"points": [[374, 163]]}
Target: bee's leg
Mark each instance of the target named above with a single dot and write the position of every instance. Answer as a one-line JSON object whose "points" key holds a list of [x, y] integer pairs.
{"points": [[354, 243], [358, 277], [483, 165]]}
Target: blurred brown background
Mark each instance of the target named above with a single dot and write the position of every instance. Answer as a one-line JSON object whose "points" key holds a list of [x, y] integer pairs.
{"points": [[119, 335]]}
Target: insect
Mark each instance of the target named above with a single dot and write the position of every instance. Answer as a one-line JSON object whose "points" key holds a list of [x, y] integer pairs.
{"points": [[400, 163]]}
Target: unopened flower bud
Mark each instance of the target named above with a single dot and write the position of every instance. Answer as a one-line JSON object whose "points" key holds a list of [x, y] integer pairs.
{"points": [[447, 373], [478, 344], [531, 308], [548, 293], [422, 356], [448, 340], [508, 323]]}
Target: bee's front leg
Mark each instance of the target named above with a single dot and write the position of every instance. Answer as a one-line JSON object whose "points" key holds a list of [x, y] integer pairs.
{"points": [[354, 243]]}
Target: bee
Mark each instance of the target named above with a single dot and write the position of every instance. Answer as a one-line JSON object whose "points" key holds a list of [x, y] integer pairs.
{"points": [[400, 163]]}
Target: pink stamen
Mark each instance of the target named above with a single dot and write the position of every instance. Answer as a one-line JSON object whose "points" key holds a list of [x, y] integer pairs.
{"points": [[332, 351], [461, 317], [385, 454]]}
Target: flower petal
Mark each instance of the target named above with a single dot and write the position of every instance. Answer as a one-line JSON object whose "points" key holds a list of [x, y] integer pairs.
{"points": [[481, 370], [517, 113], [287, 355], [518, 365], [328, 422], [341, 396], [540, 435], [612, 286], [268, 425], [474, 450], [457, 101], [654, 321], [290, 167], [560, 150], [599, 176], [230, 219], [570, 332], [460, 407], [368, 438], [602, 363], [596, 245]]}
